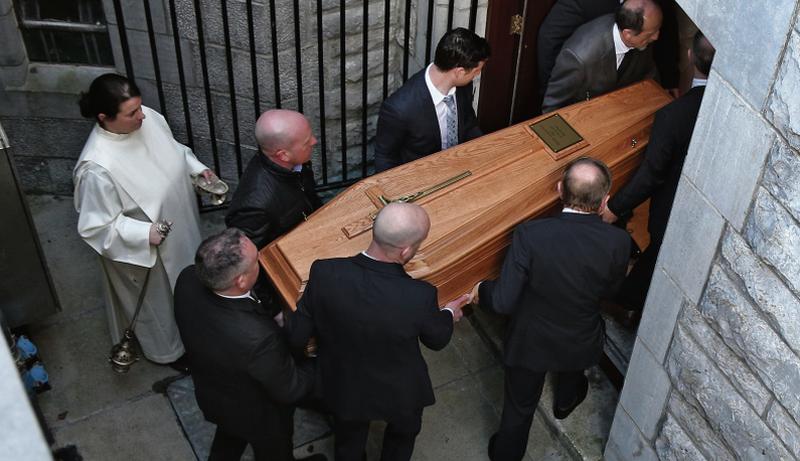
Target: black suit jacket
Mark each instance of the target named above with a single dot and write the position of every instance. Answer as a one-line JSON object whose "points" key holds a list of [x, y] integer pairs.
{"points": [[368, 318], [586, 66], [553, 277], [408, 128], [245, 378], [660, 171], [562, 20]]}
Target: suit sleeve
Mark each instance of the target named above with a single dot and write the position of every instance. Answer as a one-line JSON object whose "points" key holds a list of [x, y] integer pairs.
{"points": [[299, 324], [565, 81], [272, 365], [256, 223], [501, 296], [652, 172], [437, 326], [389, 137]]}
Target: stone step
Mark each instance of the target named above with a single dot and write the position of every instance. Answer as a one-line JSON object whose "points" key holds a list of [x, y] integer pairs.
{"points": [[586, 430]]}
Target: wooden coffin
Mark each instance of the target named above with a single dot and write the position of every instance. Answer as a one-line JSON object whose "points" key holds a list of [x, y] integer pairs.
{"points": [[512, 179]]}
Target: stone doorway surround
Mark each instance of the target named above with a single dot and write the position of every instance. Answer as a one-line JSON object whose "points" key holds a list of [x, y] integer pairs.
{"points": [[715, 370]]}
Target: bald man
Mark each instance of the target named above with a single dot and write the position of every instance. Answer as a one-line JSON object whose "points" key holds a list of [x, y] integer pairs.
{"points": [[369, 317], [554, 275], [277, 190], [604, 54]]}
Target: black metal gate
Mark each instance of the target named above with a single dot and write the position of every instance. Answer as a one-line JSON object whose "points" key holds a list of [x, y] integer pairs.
{"points": [[191, 17]]}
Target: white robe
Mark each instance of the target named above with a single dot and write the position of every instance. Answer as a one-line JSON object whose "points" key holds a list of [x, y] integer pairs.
{"points": [[123, 184]]}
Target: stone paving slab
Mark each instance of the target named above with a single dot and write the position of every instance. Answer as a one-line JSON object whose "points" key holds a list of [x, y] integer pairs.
{"points": [[141, 430]]}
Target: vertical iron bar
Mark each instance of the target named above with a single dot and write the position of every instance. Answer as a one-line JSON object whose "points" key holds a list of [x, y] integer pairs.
{"points": [[450, 7], [154, 53], [251, 34], [274, 39], [473, 15], [232, 87], [386, 7], [343, 89], [364, 76], [321, 72], [123, 40], [429, 32], [181, 75], [297, 56], [198, 14], [406, 39]]}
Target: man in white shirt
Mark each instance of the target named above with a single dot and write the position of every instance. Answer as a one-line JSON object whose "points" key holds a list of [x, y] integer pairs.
{"points": [[433, 110], [605, 54]]}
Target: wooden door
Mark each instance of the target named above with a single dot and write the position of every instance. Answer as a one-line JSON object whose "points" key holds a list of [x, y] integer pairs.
{"points": [[509, 80]]}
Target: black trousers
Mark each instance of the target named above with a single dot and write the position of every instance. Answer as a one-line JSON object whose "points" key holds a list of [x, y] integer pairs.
{"points": [[633, 293], [398, 438], [523, 388], [229, 447]]}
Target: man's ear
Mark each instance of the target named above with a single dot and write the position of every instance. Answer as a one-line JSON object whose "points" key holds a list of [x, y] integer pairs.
{"points": [[603, 204], [239, 281], [102, 117], [406, 254], [558, 188], [283, 155]]}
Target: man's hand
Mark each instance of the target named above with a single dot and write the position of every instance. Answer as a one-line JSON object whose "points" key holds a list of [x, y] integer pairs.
{"points": [[608, 216], [209, 175], [279, 319], [456, 305], [473, 295], [155, 236]]}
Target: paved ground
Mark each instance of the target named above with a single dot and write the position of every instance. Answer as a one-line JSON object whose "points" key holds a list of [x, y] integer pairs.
{"points": [[128, 417]]}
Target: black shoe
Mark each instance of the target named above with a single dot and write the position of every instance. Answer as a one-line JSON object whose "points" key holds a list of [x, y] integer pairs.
{"points": [[561, 413], [181, 365]]}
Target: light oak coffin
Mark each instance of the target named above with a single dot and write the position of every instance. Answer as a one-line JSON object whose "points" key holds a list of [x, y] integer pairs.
{"points": [[513, 179]]}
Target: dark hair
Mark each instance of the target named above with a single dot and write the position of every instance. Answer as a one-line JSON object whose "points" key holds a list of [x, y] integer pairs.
{"points": [[582, 194], [219, 259], [105, 95], [630, 18], [702, 53], [461, 48]]}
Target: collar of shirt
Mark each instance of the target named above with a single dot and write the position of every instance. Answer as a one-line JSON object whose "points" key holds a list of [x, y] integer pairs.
{"points": [[242, 296], [436, 95], [367, 255], [620, 48], [567, 209], [699, 82], [297, 168]]}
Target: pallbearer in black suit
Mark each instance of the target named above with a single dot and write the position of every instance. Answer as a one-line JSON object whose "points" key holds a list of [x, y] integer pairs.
{"points": [[369, 317], [551, 282], [433, 110], [244, 376], [657, 177]]}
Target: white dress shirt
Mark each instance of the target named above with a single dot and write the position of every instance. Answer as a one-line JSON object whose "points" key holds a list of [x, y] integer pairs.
{"points": [[620, 48], [440, 106]]}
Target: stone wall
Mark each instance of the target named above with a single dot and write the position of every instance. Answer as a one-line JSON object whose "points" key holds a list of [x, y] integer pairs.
{"points": [[715, 371], [38, 101]]}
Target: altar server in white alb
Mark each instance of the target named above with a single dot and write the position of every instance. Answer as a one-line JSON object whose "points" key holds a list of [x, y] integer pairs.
{"points": [[132, 174]]}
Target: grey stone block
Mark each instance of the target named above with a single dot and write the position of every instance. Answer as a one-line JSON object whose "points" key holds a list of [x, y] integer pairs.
{"points": [[109, 433], [664, 302], [746, 333], [722, 21], [774, 236], [47, 137], [733, 367], [782, 176], [786, 428], [625, 442], [699, 382], [698, 428], [645, 391], [674, 444], [782, 107], [691, 240], [724, 165], [779, 305], [13, 51]]}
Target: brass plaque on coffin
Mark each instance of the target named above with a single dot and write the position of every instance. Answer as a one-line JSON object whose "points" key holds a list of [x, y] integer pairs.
{"points": [[559, 137]]}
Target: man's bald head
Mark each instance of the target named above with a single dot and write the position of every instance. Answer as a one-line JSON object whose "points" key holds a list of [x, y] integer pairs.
{"points": [[585, 184], [702, 54], [286, 132], [400, 225], [639, 22]]}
